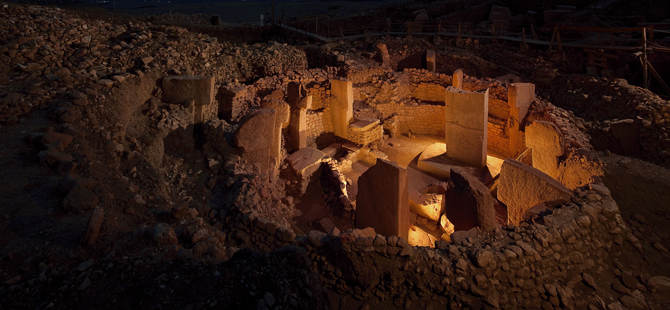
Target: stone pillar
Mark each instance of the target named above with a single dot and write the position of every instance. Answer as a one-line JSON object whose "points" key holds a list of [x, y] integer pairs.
{"points": [[255, 136], [520, 96], [457, 79], [298, 128], [466, 125], [300, 102], [382, 201], [522, 187], [431, 60], [179, 89], [282, 113], [383, 54], [547, 143], [341, 106]]}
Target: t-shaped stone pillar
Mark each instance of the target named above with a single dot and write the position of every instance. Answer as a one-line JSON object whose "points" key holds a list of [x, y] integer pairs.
{"points": [[281, 121], [466, 125], [520, 96], [300, 102], [341, 106], [179, 89]]}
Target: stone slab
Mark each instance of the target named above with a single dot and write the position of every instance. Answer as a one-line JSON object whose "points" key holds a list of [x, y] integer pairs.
{"points": [[522, 187], [382, 201], [546, 141], [305, 161], [466, 126]]}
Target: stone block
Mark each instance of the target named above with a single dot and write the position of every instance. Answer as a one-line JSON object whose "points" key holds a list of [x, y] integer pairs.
{"points": [[382, 201], [179, 89], [546, 141], [466, 126], [468, 203], [431, 60], [341, 106], [457, 79], [522, 187]]}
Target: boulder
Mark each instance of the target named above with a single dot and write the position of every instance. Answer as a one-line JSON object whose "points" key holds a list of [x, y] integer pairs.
{"points": [[80, 198]]}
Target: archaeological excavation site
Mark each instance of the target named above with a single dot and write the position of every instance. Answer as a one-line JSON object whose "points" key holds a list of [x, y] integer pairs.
{"points": [[481, 154]]}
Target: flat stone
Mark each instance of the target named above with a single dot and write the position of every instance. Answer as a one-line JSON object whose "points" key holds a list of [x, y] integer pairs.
{"points": [[305, 161]]}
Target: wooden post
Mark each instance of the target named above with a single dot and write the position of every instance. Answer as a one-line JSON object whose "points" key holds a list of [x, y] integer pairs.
{"points": [[459, 30], [558, 40], [553, 37], [645, 81], [532, 28]]}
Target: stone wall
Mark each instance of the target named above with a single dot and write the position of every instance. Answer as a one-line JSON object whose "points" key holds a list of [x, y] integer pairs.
{"points": [[318, 123], [428, 92], [422, 119], [530, 265], [497, 136], [367, 136]]}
